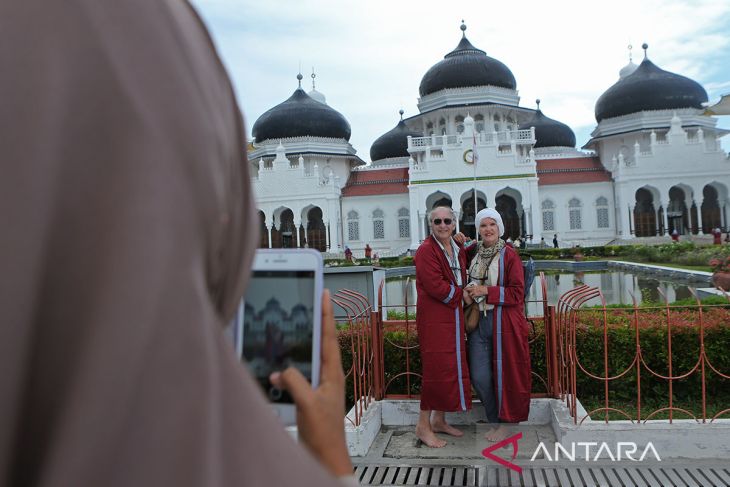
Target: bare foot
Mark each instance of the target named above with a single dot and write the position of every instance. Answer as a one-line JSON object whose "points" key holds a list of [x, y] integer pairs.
{"points": [[429, 439], [497, 434], [443, 427]]}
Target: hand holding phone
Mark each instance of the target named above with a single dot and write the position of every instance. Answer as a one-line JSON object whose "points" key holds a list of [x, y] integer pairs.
{"points": [[321, 411], [282, 321]]}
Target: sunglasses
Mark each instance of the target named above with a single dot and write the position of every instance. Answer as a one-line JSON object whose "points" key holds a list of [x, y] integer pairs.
{"points": [[447, 221]]}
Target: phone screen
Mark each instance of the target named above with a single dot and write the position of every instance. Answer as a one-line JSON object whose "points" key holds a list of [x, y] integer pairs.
{"points": [[278, 326]]}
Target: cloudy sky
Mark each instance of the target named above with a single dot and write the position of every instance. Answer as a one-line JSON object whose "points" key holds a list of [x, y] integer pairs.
{"points": [[370, 55]]}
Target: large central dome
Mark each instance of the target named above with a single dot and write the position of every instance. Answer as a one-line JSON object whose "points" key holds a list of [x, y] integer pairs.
{"points": [[466, 66], [649, 88], [298, 116]]}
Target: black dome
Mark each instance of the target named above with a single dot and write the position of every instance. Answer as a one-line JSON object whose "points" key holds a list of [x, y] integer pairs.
{"points": [[549, 132], [466, 66], [301, 115], [649, 88], [393, 143]]}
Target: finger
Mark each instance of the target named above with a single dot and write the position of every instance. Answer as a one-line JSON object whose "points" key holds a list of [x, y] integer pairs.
{"points": [[331, 362], [294, 382]]}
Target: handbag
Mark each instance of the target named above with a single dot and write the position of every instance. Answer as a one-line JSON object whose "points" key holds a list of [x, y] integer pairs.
{"points": [[471, 311], [471, 317]]}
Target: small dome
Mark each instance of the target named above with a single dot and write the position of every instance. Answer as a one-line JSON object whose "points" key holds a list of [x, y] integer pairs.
{"points": [[393, 143], [549, 132], [466, 66], [649, 88], [301, 115], [627, 70], [317, 96]]}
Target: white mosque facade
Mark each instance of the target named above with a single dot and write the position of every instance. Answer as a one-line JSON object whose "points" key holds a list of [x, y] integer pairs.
{"points": [[654, 164]]}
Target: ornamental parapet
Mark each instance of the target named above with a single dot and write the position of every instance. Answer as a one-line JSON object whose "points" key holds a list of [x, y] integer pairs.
{"points": [[518, 137]]}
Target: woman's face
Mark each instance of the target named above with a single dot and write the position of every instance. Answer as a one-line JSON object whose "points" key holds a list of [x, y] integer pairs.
{"points": [[439, 226], [489, 231]]}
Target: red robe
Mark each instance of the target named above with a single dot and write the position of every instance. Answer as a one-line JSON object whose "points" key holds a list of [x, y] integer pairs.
{"points": [[440, 323], [511, 350]]}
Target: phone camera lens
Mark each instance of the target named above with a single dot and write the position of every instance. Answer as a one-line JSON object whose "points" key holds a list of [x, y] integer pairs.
{"points": [[275, 394]]}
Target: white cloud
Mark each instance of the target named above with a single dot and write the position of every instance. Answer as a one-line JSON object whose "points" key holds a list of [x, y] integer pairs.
{"points": [[370, 56]]}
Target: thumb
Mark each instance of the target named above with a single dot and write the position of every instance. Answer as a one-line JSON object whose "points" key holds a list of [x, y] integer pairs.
{"points": [[292, 381]]}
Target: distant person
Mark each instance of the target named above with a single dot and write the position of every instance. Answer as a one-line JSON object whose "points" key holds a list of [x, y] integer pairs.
{"points": [[727, 237], [717, 236], [555, 241], [542, 243], [675, 235], [348, 254], [368, 252]]}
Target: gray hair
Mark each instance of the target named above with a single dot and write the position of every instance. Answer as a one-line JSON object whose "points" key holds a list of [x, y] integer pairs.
{"points": [[430, 213]]}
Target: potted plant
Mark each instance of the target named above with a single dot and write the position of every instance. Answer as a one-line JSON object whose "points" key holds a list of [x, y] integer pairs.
{"points": [[721, 272]]}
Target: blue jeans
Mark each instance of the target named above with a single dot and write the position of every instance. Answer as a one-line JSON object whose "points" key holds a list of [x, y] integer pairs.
{"points": [[480, 365]]}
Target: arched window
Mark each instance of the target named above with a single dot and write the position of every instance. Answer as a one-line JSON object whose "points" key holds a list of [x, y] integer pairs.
{"points": [[353, 226], [378, 225], [429, 128], [574, 214], [548, 215], [459, 124], [404, 225], [602, 212], [479, 123], [442, 126]]}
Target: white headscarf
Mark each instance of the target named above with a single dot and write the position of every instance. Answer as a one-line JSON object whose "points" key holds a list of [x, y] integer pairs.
{"points": [[489, 213]]}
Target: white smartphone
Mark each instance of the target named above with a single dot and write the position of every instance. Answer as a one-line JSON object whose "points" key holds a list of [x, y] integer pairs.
{"points": [[282, 320]]}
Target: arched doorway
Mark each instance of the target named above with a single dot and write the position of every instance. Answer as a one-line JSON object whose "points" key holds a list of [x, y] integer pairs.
{"points": [[286, 230], [507, 208], [710, 208], [644, 214], [677, 212], [466, 219], [316, 230], [263, 232]]}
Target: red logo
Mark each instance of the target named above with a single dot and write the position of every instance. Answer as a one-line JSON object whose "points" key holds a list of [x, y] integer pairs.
{"points": [[487, 452]]}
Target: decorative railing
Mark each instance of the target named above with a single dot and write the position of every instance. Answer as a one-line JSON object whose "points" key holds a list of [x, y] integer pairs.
{"points": [[633, 367], [360, 337], [520, 137]]}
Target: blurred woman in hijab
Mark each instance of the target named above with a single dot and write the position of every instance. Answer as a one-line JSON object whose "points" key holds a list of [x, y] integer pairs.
{"points": [[129, 231]]}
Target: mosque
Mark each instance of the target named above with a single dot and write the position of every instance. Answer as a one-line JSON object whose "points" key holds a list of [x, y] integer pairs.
{"points": [[653, 164]]}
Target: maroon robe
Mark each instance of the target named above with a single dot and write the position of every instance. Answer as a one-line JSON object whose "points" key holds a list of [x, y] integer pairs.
{"points": [[511, 351], [440, 322]]}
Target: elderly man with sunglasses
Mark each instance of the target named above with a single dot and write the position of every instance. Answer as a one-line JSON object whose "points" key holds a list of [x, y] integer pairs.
{"points": [[440, 276]]}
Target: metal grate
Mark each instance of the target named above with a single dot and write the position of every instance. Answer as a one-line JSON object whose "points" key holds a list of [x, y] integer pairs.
{"points": [[609, 476], [466, 476], [597, 476]]}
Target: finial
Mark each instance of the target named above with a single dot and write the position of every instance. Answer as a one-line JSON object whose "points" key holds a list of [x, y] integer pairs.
{"points": [[630, 57], [313, 76], [300, 78], [538, 103], [401, 114], [645, 46], [463, 28]]}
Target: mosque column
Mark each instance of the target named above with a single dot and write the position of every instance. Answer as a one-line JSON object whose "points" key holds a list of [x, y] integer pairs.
{"points": [[456, 216], [297, 224], [327, 234], [699, 220], [413, 219], [270, 228], [666, 218]]}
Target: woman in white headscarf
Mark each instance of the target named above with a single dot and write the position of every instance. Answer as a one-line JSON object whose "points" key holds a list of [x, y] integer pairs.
{"points": [[499, 355]]}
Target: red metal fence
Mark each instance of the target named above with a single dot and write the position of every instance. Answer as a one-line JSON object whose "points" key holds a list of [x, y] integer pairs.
{"points": [[624, 378], [639, 358]]}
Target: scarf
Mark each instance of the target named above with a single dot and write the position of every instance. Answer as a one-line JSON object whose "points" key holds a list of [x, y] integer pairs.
{"points": [[481, 261]]}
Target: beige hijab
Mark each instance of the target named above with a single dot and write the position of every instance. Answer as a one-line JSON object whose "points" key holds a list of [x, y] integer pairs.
{"points": [[128, 228]]}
